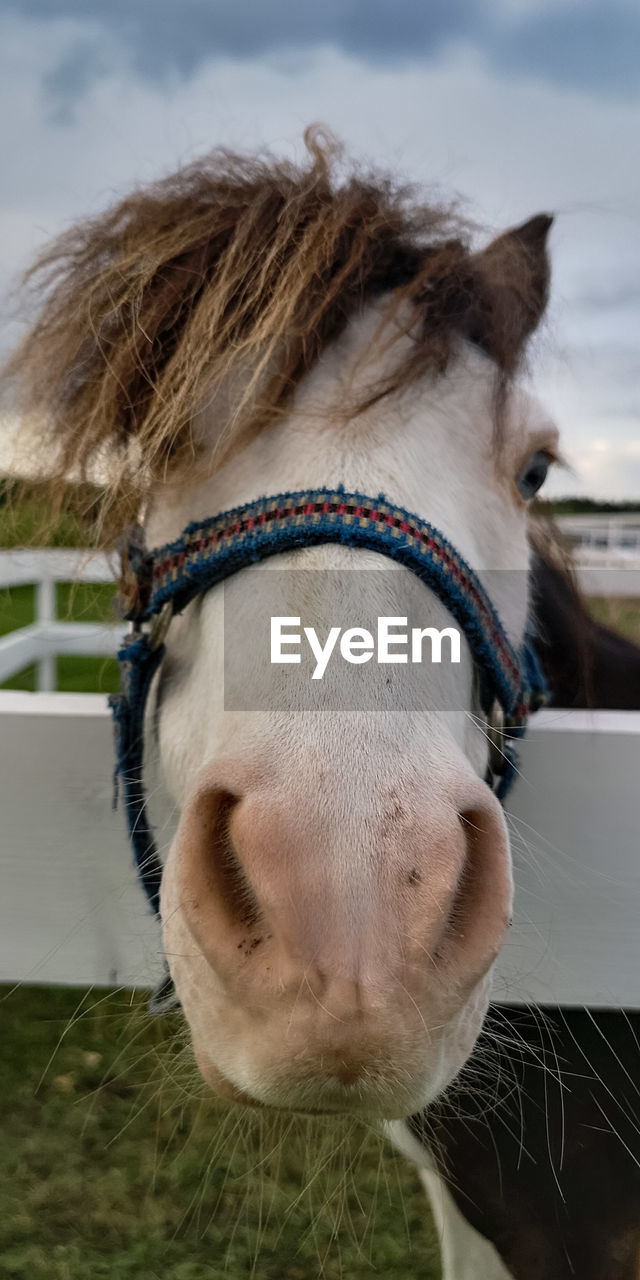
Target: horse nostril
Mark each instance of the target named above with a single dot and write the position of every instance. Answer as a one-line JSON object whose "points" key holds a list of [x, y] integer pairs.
{"points": [[226, 875], [475, 910], [464, 902]]}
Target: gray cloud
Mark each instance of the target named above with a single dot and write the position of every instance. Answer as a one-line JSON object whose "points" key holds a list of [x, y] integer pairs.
{"points": [[81, 65], [592, 46]]}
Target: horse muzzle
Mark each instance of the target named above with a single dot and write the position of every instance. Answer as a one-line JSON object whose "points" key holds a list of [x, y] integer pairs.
{"points": [[328, 960]]}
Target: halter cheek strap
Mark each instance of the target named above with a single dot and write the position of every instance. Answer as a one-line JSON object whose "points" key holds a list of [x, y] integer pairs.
{"points": [[159, 583]]}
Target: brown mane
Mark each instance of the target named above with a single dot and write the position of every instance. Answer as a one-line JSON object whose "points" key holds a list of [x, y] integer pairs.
{"points": [[233, 263]]}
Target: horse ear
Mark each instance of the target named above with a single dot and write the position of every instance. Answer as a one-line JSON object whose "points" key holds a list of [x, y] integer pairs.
{"points": [[510, 290]]}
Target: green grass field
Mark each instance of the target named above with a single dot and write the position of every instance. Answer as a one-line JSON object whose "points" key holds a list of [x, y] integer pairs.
{"points": [[620, 614], [115, 1163]]}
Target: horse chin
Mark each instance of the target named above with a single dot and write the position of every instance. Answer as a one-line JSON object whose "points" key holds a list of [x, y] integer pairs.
{"points": [[220, 1085], [346, 1100], [375, 1097]]}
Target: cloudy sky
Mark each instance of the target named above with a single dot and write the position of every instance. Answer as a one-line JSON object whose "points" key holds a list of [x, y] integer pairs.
{"points": [[515, 105]]}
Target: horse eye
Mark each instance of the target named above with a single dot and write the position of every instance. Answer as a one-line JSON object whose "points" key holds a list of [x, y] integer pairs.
{"points": [[533, 475]]}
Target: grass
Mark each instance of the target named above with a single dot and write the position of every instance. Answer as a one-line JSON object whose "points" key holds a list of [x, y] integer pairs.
{"points": [[620, 613], [24, 519], [109, 1168]]}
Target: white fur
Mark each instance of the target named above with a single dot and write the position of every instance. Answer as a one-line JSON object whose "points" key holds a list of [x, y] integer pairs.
{"points": [[465, 1254]]}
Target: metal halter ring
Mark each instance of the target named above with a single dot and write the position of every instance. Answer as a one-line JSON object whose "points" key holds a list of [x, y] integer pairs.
{"points": [[158, 628]]}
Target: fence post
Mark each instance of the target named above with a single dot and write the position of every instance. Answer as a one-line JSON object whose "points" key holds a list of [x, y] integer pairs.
{"points": [[45, 613]]}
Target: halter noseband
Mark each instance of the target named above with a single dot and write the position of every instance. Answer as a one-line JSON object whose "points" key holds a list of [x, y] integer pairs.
{"points": [[156, 584]]}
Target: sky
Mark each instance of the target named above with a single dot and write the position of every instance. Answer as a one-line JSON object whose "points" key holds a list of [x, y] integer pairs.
{"points": [[513, 106]]}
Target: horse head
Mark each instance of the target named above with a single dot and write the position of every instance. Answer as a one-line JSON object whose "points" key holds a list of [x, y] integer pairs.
{"points": [[339, 883]]}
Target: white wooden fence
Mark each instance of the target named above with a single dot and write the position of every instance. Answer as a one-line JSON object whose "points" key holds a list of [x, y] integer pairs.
{"points": [[71, 910], [48, 636], [609, 531]]}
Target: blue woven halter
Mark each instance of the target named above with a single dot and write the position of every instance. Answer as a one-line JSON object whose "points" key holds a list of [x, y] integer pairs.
{"points": [[157, 584]]}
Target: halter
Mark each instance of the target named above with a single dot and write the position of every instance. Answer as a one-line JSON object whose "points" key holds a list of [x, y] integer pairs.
{"points": [[157, 584]]}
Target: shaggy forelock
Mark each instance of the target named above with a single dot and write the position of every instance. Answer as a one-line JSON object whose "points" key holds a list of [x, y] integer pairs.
{"points": [[234, 263]]}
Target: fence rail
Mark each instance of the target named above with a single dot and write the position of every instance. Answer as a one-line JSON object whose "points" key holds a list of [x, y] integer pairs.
{"points": [[612, 531], [71, 910], [603, 541]]}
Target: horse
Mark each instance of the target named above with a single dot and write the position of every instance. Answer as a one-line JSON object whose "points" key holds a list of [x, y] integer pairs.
{"points": [[307, 367]]}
